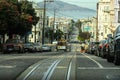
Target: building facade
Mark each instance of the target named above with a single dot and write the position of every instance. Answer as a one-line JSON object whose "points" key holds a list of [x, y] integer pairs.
{"points": [[36, 35]]}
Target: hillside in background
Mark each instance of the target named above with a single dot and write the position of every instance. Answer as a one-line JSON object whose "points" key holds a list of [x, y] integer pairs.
{"points": [[63, 9]]}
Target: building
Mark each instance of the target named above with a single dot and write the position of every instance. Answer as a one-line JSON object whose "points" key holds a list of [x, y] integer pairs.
{"points": [[116, 14], [60, 23], [109, 10], [36, 35], [103, 9], [89, 25]]}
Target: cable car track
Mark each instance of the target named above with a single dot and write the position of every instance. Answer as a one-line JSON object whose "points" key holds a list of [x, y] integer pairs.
{"points": [[46, 69]]}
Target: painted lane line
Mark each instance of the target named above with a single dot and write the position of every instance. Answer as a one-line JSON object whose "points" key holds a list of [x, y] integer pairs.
{"points": [[100, 66], [4, 66], [69, 70], [105, 68], [49, 72]]}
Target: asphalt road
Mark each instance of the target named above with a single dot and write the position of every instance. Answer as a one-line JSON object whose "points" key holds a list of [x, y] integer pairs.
{"points": [[90, 67], [56, 66]]}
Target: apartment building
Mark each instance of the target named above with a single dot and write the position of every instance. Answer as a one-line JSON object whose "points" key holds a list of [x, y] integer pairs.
{"points": [[60, 23], [36, 35], [116, 15], [103, 9], [90, 25]]}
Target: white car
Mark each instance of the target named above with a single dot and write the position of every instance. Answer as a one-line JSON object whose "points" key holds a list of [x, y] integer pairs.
{"points": [[46, 48], [38, 47]]}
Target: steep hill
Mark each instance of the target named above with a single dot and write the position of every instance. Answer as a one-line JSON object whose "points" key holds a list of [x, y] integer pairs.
{"points": [[67, 10]]}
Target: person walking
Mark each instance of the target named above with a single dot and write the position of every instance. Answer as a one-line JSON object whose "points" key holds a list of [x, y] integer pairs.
{"points": [[82, 48]]}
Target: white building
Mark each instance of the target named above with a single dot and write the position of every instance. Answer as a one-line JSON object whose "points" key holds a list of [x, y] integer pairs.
{"points": [[116, 9], [36, 35], [103, 8]]}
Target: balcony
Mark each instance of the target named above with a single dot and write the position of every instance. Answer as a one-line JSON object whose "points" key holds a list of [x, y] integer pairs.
{"points": [[106, 11]]}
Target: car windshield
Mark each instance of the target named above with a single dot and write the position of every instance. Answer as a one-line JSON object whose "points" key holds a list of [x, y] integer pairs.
{"points": [[59, 39], [28, 44], [12, 41]]}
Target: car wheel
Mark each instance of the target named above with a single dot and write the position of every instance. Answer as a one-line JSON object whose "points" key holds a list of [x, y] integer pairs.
{"points": [[116, 60], [109, 58], [5, 52]]}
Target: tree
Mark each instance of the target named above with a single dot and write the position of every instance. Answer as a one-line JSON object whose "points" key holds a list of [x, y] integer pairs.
{"points": [[58, 35], [71, 25], [78, 24], [8, 16], [27, 17], [49, 33], [84, 35], [16, 17]]}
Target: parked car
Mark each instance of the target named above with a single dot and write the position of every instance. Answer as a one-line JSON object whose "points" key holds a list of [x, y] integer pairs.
{"points": [[13, 45], [46, 47], [92, 47], [114, 48], [110, 49], [104, 48], [29, 47], [100, 47], [38, 47], [116, 44]]}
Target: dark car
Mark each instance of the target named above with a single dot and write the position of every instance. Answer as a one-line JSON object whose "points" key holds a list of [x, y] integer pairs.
{"points": [[104, 48], [13, 45], [92, 47], [100, 47], [114, 50], [116, 43], [29, 47], [110, 49]]}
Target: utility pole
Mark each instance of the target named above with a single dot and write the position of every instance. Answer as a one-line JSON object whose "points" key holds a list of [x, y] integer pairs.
{"points": [[35, 34], [97, 35], [44, 14], [53, 25], [44, 17]]}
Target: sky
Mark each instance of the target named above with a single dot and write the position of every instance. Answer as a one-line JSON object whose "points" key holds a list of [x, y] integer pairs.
{"points": [[82, 3]]}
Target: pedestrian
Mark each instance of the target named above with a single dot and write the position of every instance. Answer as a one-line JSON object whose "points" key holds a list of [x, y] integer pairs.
{"points": [[82, 48]]}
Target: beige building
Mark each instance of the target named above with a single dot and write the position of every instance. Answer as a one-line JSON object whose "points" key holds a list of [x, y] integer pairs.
{"points": [[36, 35], [60, 23], [103, 9], [116, 16], [107, 24], [90, 25]]}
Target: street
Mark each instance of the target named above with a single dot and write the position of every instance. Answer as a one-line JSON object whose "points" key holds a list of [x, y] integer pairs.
{"points": [[90, 67], [56, 66]]}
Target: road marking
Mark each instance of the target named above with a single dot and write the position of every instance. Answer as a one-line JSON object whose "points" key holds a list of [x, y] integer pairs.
{"points": [[113, 77], [31, 71], [69, 70], [100, 66], [61, 67], [49, 72], [3, 66], [105, 68]]}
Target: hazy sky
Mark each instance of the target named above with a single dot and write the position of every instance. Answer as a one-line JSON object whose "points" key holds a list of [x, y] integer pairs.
{"points": [[83, 3]]}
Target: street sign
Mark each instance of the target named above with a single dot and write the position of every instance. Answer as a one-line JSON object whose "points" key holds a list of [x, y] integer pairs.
{"points": [[87, 28]]}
